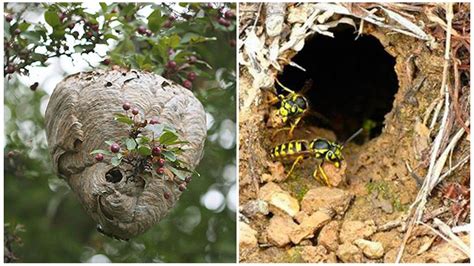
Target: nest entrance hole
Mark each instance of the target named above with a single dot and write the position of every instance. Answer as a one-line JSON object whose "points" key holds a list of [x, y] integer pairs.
{"points": [[353, 82]]}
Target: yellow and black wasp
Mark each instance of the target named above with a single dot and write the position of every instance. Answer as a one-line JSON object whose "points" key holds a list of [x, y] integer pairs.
{"points": [[322, 149], [292, 107]]}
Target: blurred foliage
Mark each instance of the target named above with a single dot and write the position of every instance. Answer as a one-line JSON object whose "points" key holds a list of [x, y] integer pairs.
{"points": [[56, 228]]}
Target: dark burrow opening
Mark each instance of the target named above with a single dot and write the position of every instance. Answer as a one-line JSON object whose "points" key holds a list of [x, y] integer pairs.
{"points": [[353, 83]]}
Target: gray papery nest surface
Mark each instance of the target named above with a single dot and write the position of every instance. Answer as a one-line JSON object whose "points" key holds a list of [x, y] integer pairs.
{"points": [[80, 118]]}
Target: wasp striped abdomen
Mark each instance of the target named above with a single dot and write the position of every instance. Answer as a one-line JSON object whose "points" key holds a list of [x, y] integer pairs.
{"points": [[289, 149]]}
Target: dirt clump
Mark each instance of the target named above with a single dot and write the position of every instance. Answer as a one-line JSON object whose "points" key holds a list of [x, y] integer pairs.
{"points": [[280, 229]]}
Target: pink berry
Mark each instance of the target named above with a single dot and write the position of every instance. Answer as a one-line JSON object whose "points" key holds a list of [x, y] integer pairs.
{"points": [[154, 121], [167, 24], [223, 22], [114, 148], [191, 76], [135, 111], [161, 162], [106, 62], [160, 170], [171, 18], [187, 84], [182, 187], [156, 151], [171, 64], [141, 29], [192, 59], [229, 14], [99, 157], [167, 195], [187, 179], [95, 27], [8, 18], [126, 106]]}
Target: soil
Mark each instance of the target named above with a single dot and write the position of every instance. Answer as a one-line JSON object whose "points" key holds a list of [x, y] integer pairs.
{"points": [[376, 173]]}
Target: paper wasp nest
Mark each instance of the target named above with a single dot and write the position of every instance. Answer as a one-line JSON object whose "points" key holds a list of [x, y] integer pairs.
{"points": [[80, 118]]}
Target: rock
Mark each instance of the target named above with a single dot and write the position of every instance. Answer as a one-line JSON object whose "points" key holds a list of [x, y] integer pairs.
{"points": [[280, 202], [247, 237], [277, 173], [329, 236], [446, 253], [283, 202], [306, 242], [352, 230], [371, 249], [349, 253], [279, 230], [267, 190], [309, 225], [390, 239], [317, 254], [326, 198], [391, 255], [336, 175], [300, 216], [253, 207]]}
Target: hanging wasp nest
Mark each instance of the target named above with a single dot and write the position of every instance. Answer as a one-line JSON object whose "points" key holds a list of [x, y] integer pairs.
{"points": [[413, 176], [80, 118]]}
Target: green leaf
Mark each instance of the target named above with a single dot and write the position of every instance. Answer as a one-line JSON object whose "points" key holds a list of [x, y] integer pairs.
{"points": [[24, 26], [157, 129], [52, 18], [169, 156], [115, 161], [39, 57], [83, 47], [179, 142], [168, 137], [110, 36], [154, 20], [109, 142], [143, 140], [193, 38], [179, 173], [103, 6], [144, 150], [105, 152], [173, 41], [123, 119], [131, 144]]}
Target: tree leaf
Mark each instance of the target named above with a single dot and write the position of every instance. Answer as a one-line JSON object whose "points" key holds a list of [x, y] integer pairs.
{"points": [[179, 173], [131, 144], [157, 129], [52, 18], [154, 20], [143, 140], [115, 161], [123, 119], [168, 138], [144, 150], [105, 152], [109, 142], [169, 156]]}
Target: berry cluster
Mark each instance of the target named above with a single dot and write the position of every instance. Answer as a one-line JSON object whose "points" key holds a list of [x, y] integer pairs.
{"points": [[173, 69], [225, 18], [156, 155]]}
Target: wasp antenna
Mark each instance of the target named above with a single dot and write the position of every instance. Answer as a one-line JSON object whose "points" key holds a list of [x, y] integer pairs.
{"points": [[352, 137], [283, 86]]}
